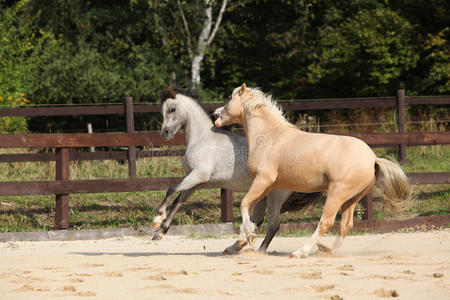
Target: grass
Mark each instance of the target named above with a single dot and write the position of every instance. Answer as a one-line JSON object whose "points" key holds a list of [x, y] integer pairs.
{"points": [[88, 211]]}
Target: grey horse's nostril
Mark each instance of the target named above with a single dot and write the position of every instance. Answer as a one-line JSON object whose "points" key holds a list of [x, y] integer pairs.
{"points": [[165, 132]]}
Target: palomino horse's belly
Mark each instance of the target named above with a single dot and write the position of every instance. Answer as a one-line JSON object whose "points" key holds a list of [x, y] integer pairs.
{"points": [[304, 183]]}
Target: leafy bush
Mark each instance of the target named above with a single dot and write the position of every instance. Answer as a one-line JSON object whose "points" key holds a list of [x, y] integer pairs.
{"points": [[19, 60], [367, 55]]}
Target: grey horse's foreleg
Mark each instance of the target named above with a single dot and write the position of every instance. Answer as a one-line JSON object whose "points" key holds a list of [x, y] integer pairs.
{"points": [[165, 225], [274, 202], [192, 180], [161, 211], [259, 212]]}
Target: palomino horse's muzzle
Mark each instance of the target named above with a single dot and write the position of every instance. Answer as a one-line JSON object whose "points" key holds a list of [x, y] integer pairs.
{"points": [[218, 112], [218, 115]]}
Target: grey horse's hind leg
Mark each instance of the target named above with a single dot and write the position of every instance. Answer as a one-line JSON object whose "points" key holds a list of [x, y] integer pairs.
{"points": [[165, 225], [259, 212], [274, 202]]}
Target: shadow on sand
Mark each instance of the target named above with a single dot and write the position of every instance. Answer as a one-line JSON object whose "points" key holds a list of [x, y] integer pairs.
{"points": [[207, 254]]}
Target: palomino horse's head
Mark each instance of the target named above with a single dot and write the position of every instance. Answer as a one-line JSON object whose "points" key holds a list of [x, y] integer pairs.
{"points": [[233, 111], [173, 112]]}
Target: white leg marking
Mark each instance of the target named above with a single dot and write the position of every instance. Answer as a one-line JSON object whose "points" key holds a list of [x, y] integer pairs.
{"points": [[309, 245], [157, 220]]}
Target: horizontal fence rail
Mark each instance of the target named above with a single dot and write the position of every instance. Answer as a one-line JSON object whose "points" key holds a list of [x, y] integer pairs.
{"points": [[38, 140], [18, 188], [151, 141], [294, 105]]}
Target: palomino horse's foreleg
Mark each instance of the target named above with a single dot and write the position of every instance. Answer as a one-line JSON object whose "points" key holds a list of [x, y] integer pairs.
{"points": [[165, 225], [258, 190], [274, 202], [190, 181]]}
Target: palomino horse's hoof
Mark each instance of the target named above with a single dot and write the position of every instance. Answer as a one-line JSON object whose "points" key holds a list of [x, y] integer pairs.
{"points": [[298, 255], [157, 236], [233, 249], [251, 238], [324, 248]]}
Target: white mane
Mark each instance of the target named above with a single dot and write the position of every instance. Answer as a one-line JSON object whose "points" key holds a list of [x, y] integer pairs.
{"points": [[259, 98]]}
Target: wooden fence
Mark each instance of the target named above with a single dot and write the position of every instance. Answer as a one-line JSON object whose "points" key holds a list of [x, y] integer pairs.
{"points": [[62, 186]]}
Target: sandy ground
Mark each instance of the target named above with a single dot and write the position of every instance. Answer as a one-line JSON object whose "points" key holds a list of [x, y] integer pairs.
{"points": [[407, 266]]}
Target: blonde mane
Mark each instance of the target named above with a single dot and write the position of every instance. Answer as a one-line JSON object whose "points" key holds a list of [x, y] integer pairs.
{"points": [[259, 98]]}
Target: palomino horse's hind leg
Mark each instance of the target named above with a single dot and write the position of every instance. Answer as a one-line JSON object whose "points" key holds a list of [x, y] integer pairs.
{"points": [[345, 226], [347, 211], [336, 194], [165, 225]]}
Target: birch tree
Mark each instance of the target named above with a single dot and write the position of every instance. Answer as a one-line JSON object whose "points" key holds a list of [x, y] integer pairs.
{"points": [[187, 26], [196, 50]]}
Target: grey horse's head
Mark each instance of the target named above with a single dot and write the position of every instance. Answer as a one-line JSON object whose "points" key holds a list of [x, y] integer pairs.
{"points": [[173, 111]]}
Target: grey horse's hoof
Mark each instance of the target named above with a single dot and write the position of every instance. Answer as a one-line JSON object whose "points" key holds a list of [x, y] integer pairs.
{"points": [[251, 238], [157, 236]]}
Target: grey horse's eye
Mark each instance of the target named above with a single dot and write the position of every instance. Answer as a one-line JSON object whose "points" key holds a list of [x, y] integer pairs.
{"points": [[172, 110]]}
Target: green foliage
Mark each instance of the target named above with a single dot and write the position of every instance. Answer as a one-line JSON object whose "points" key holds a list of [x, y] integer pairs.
{"points": [[19, 58], [58, 52], [102, 53], [366, 55], [91, 76], [437, 49]]}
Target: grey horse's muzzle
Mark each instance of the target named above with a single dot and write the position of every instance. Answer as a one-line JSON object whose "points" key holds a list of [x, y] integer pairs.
{"points": [[166, 133]]}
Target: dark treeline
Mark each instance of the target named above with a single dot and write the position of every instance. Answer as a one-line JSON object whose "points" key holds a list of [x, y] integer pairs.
{"points": [[63, 52]]}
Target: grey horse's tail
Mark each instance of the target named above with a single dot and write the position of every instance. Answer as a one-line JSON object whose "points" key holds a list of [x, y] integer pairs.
{"points": [[300, 201], [397, 195]]}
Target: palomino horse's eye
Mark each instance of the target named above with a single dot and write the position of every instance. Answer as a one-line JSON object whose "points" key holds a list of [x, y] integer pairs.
{"points": [[172, 110]]}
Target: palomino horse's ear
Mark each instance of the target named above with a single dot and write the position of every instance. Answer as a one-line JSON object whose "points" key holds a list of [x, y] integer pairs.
{"points": [[243, 87]]}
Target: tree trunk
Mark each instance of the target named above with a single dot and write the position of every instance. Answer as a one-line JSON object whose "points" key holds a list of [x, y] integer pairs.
{"points": [[197, 59]]}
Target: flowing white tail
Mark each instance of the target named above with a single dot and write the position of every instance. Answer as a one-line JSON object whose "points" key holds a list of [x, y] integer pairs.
{"points": [[397, 195]]}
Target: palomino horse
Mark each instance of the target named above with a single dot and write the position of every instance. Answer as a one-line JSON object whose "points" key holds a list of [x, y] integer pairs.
{"points": [[284, 157], [213, 156]]}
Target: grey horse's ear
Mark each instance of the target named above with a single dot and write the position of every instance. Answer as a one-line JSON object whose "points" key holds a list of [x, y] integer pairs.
{"points": [[243, 87], [172, 93], [167, 94]]}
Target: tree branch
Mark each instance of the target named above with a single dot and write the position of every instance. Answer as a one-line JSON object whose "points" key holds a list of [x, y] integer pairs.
{"points": [[218, 21], [188, 33]]}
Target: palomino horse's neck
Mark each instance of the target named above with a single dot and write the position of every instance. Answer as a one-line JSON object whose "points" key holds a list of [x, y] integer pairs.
{"points": [[259, 126], [198, 123]]}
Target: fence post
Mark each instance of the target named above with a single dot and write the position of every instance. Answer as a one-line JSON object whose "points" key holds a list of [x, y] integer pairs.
{"points": [[90, 130], [62, 200], [401, 123], [131, 153], [367, 203], [226, 204]]}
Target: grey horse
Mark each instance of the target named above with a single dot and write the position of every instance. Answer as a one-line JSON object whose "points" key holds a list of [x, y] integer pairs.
{"points": [[218, 157]]}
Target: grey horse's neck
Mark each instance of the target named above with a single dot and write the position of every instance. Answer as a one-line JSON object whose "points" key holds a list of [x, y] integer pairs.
{"points": [[198, 123]]}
